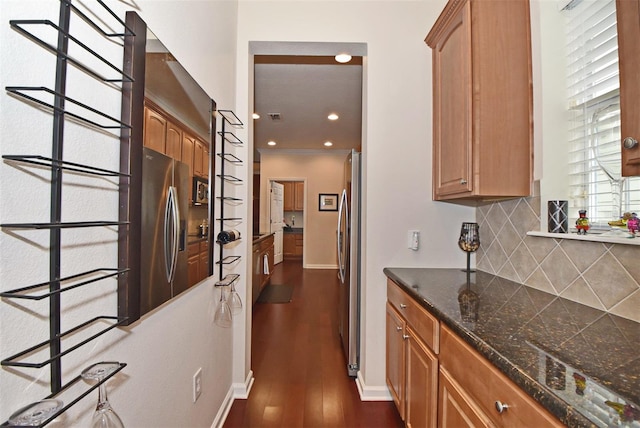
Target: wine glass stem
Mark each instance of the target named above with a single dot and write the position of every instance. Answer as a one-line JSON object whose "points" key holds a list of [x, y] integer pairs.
{"points": [[103, 401], [468, 262]]}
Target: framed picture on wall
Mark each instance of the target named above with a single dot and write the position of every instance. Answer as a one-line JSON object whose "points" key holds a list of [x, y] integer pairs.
{"points": [[328, 202]]}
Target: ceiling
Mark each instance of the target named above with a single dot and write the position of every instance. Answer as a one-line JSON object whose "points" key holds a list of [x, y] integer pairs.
{"points": [[303, 90]]}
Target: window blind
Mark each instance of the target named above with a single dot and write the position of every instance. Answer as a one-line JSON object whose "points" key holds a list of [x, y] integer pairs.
{"points": [[594, 113]]}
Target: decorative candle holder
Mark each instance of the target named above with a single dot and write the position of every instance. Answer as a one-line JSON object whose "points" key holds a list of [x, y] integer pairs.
{"points": [[469, 241]]}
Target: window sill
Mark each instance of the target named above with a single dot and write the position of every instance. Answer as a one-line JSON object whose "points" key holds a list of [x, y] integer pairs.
{"points": [[591, 237]]}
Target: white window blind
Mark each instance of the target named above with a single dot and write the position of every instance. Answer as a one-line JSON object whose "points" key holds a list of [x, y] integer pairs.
{"points": [[594, 113]]}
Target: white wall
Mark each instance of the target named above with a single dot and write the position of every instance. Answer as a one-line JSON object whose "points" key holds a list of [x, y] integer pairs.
{"points": [[397, 137], [322, 173], [165, 348]]}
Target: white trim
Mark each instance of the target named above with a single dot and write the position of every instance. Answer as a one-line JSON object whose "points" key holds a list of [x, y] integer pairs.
{"points": [[241, 390], [588, 237], [319, 266], [236, 391], [372, 393], [224, 410]]}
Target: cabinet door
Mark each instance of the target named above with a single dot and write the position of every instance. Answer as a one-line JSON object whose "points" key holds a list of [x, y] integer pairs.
{"points": [[173, 143], [452, 150], [455, 408], [299, 244], [421, 384], [395, 362], [203, 266], [298, 204], [288, 245], [193, 270], [289, 196], [155, 130], [205, 160], [628, 18], [188, 148], [198, 156]]}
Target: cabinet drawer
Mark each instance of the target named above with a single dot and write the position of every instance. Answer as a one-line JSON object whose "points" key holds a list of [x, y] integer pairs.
{"points": [[486, 385], [422, 322]]}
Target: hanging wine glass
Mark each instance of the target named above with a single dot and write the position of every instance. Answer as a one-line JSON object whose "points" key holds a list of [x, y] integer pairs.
{"points": [[35, 414], [469, 240], [235, 302], [104, 416], [223, 316], [605, 145]]}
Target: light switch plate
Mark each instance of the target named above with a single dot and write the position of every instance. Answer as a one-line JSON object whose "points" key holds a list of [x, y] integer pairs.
{"points": [[413, 240]]}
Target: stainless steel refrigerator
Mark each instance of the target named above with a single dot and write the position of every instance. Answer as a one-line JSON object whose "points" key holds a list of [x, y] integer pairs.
{"points": [[165, 204], [349, 262]]}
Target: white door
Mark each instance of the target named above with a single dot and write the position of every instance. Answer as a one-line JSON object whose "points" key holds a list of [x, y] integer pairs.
{"points": [[276, 214]]}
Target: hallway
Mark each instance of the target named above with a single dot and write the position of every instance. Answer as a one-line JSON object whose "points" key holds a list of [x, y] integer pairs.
{"points": [[299, 367]]}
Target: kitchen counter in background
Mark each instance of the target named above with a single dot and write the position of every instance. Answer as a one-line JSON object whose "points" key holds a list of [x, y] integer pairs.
{"points": [[569, 357], [292, 230], [259, 238], [195, 237]]}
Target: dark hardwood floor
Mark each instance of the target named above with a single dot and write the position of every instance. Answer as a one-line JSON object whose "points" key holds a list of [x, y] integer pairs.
{"points": [[299, 367]]}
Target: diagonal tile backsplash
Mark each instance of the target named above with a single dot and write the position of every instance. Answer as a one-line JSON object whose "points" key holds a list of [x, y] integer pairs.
{"points": [[602, 276]]}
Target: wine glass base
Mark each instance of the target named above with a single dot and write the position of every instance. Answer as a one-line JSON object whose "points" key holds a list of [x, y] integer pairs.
{"points": [[468, 270], [36, 413]]}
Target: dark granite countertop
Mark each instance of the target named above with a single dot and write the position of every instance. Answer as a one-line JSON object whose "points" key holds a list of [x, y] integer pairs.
{"points": [[292, 230], [192, 238], [569, 357], [260, 238]]}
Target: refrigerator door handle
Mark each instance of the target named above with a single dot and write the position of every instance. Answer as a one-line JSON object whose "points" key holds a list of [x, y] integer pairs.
{"points": [[171, 233], [342, 209]]}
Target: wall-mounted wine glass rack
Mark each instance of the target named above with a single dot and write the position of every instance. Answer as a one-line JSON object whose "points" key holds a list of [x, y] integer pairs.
{"points": [[58, 102], [229, 120]]}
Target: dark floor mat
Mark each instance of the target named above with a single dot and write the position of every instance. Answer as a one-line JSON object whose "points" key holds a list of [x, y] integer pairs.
{"points": [[276, 293]]}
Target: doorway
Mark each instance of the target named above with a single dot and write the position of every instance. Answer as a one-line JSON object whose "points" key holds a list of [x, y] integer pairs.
{"points": [[308, 118]]}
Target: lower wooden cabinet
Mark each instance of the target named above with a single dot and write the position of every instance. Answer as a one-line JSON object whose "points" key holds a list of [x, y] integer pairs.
{"points": [[486, 387], [437, 379], [456, 409], [262, 265], [421, 383], [396, 360], [292, 245], [197, 262], [412, 368]]}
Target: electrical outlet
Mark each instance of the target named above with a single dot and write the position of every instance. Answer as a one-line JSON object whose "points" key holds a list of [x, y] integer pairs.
{"points": [[197, 384]]}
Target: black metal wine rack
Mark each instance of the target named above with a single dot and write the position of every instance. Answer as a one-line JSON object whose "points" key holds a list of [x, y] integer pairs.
{"points": [[56, 101], [229, 120]]}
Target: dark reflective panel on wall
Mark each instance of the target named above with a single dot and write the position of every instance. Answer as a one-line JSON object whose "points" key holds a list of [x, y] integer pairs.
{"points": [[178, 119]]}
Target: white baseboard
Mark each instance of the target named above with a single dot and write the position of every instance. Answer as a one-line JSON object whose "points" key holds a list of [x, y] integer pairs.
{"points": [[316, 266], [237, 390], [241, 390], [372, 393]]}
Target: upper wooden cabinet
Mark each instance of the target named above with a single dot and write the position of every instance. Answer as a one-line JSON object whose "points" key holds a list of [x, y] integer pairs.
{"points": [[173, 147], [628, 18], [298, 203], [482, 100], [155, 130], [293, 195]]}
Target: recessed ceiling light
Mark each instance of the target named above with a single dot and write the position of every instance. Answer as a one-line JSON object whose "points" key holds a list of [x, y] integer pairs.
{"points": [[271, 143], [256, 116], [328, 143], [343, 58], [333, 116]]}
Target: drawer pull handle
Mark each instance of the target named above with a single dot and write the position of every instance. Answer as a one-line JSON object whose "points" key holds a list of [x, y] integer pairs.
{"points": [[398, 328], [501, 407], [405, 336], [403, 306]]}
